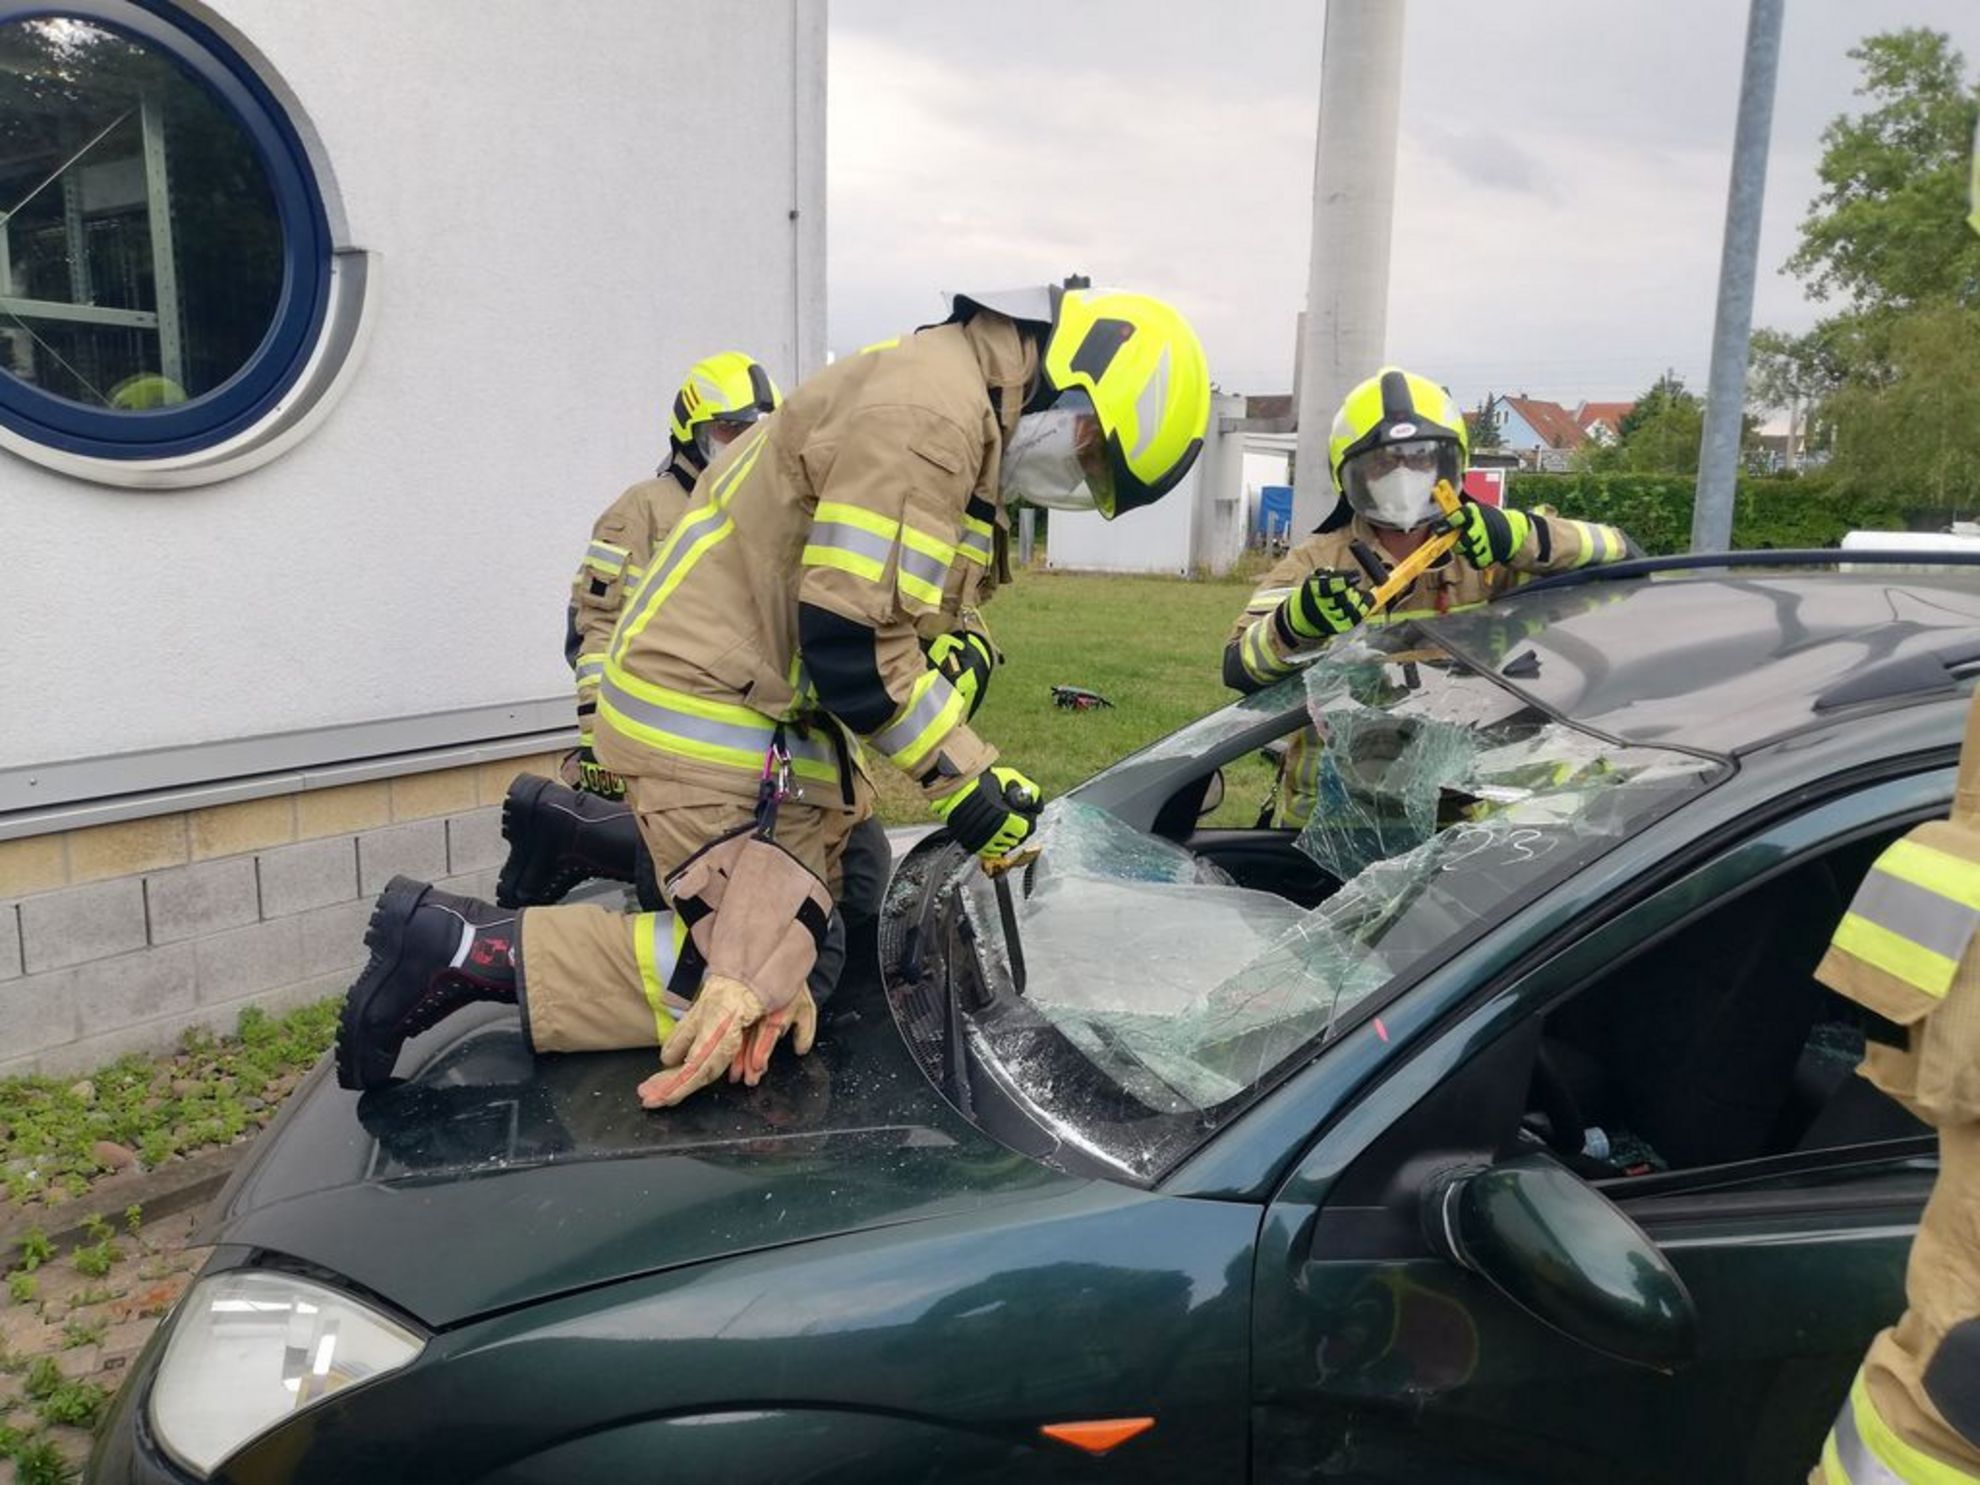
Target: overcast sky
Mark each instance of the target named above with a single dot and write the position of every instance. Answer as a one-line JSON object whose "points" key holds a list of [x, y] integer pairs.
{"points": [[1560, 190]]}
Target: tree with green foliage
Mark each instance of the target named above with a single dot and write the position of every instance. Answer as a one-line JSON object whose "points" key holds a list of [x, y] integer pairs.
{"points": [[1659, 435], [1888, 231], [1888, 242], [1666, 392], [1917, 430]]}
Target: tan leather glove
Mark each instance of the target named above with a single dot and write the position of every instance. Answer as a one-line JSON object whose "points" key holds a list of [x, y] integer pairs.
{"points": [[760, 937], [761, 1040], [703, 1043]]}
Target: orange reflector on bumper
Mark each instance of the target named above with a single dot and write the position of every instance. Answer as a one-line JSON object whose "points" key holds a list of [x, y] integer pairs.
{"points": [[1098, 1435]]}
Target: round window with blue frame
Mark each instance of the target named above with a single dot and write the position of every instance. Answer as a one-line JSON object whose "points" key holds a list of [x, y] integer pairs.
{"points": [[164, 253]]}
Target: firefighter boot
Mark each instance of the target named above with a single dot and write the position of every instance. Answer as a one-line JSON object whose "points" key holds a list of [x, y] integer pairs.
{"points": [[559, 837], [431, 954]]}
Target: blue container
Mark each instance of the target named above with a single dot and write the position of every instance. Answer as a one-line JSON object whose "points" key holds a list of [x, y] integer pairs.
{"points": [[1275, 512]]}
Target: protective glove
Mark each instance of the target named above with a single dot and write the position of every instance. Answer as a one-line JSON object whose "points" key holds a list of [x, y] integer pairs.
{"points": [[594, 778], [704, 1043], [993, 813], [965, 660], [753, 1060], [1487, 534], [1326, 604]]}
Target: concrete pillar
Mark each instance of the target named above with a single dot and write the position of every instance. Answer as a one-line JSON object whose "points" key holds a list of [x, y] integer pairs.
{"points": [[1354, 187], [1732, 328]]}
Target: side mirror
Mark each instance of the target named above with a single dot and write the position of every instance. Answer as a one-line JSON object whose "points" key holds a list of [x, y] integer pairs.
{"points": [[1213, 795], [1564, 1253]]}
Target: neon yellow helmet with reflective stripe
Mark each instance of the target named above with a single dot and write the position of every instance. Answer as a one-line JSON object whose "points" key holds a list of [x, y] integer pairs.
{"points": [[728, 387], [1142, 367], [1394, 406]]}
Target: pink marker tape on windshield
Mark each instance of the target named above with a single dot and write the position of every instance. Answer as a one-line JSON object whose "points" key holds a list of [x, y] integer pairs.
{"points": [[1381, 1030]]}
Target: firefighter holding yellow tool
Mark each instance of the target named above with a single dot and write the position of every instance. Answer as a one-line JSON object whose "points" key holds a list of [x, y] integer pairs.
{"points": [[775, 638], [1398, 441]]}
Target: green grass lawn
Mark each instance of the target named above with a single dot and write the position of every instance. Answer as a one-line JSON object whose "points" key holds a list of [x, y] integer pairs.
{"points": [[1151, 645]]}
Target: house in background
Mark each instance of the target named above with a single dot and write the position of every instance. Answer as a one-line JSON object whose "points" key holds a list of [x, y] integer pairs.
{"points": [[1601, 422], [1543, 434]]}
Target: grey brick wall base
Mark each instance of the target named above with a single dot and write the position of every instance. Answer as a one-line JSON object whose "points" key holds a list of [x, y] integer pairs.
{"points": [[88, 974]]}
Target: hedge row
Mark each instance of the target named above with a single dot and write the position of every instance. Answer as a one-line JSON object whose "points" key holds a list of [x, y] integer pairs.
{"points": [[1778, 511]]}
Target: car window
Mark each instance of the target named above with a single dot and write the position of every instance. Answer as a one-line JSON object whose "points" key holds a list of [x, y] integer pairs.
{"points": [[1174, 993], [1716, 1045]]}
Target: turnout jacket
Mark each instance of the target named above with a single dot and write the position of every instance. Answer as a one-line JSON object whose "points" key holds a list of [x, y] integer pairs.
{"points": [[623, 541], [1907, 950], [1262, 649], [791, 596]]}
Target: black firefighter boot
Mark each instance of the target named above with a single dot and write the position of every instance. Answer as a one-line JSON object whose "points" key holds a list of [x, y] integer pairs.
{"points": [[558, 837], [431, 954]]}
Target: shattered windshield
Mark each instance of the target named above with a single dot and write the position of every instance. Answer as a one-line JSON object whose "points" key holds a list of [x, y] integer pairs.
{"points": [[1439, 800]]}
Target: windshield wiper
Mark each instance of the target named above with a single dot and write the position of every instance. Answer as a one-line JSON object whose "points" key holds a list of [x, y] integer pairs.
{"points": [[1007, 915]]}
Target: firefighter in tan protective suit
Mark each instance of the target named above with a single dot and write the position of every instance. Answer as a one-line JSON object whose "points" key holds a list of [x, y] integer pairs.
{"points": [[1906, 950], [1394, 438], [559, 836], [723, 394], [773, 641]]}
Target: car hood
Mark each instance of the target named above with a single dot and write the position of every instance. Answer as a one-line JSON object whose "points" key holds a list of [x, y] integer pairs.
{"points": [[493, 1177]]}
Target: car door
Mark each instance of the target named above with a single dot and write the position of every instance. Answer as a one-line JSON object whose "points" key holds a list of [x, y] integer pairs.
{"points": [[1376, 1360]]}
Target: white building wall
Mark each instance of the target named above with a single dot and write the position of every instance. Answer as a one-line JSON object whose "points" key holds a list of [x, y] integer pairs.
{"points": [[1199, 524], [565, 206]]}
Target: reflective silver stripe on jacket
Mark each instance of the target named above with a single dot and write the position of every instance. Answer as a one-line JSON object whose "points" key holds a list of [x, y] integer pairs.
{"points": [[738, 736], [868, 544], [898, 737], [921, 565], [1859, 1464], [1915, 913]]}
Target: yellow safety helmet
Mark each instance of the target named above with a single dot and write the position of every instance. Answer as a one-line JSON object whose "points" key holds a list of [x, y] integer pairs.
{"points": [[1418, 429], [1141, 366], [1134, 364], [727, 388]]}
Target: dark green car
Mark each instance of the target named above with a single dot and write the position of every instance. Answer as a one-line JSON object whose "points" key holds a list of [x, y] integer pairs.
{"points": [[1491, 1128]]}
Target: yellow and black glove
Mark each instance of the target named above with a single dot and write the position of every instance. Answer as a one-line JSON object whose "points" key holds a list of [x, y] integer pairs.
{"points": [[1487, 534], [993, 813], [965, 660], [1326, 604], [595, 778]]}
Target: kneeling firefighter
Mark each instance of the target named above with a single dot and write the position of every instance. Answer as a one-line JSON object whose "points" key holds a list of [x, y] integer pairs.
{"points": [[1394, 440], [559, 836], [774, 635]]}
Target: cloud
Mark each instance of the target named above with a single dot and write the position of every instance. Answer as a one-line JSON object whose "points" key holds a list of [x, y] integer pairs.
{"points": [[1560, 186], [946, 176]]}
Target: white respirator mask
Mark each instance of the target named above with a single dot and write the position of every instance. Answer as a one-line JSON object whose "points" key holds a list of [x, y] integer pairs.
{"points": [[1401, 498], [1057, 457], [1041, 462], [1395, 485]]}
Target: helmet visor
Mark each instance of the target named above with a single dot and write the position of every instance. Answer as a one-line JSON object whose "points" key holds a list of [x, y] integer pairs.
{"points": [[1392, 484], [1057, 458], [719, 430]]}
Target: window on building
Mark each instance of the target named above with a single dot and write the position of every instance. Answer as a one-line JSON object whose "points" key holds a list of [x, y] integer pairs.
{"points": [[161, 243]]}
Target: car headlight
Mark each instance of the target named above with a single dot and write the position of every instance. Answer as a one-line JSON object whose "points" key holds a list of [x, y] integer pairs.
{"points": [[251, 1347]]}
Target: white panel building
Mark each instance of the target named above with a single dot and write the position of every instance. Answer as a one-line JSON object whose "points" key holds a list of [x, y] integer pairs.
{"points": [[243, 682]]}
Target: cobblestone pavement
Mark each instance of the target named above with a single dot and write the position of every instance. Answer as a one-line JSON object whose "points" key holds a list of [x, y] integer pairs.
{"points": [[90, 1327]]}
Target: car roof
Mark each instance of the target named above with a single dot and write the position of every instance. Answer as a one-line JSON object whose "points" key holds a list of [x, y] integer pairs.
{"points": [[1728, 660]]}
